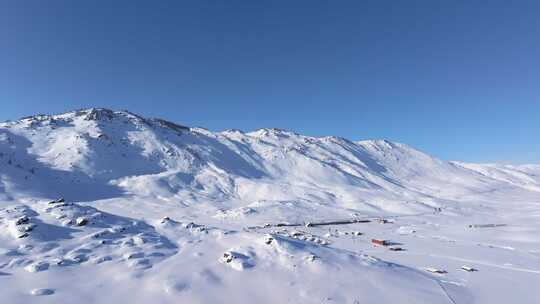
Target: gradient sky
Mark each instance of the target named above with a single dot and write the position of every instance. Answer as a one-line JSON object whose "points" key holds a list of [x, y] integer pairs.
{"points": [[457, 79]]}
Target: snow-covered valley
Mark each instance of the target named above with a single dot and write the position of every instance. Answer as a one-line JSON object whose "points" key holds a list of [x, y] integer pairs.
{"points": [[156, 212]]}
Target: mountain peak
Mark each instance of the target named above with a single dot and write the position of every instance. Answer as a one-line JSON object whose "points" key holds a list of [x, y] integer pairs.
{"points": [[263, 132], [99, 115]]}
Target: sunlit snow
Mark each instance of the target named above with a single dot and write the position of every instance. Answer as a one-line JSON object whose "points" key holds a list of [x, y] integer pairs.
{"points": [[101, 206]]}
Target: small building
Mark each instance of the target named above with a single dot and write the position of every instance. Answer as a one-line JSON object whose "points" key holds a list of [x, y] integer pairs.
{"points": [[380, 242], [468, 268], [435, 270]]}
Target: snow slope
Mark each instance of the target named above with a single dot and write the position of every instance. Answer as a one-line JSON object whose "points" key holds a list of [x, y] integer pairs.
{"points": [[120, 174]]}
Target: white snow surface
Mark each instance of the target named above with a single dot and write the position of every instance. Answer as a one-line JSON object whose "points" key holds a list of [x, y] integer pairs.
{"points": [[156, 212]]}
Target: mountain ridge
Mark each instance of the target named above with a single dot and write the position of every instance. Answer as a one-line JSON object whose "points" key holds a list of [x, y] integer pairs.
{"points": [[124, 153], [162, 212]]}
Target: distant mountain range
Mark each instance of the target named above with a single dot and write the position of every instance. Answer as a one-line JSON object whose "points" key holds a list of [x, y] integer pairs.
{"points": [[99, 153]]}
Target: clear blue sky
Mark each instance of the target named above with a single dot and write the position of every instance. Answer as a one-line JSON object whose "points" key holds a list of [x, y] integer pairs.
{"points": [[457, 79]]}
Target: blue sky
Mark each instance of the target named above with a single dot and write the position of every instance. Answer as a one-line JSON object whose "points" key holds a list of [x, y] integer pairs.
{"points": [[457, 79]]}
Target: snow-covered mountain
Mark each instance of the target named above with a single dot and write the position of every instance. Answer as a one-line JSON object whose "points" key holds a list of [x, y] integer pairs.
{"points": [[121, 153], [135, 170]]}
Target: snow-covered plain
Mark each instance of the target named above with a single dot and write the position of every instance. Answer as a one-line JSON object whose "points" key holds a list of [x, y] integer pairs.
{"points": [[156, 212]]}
